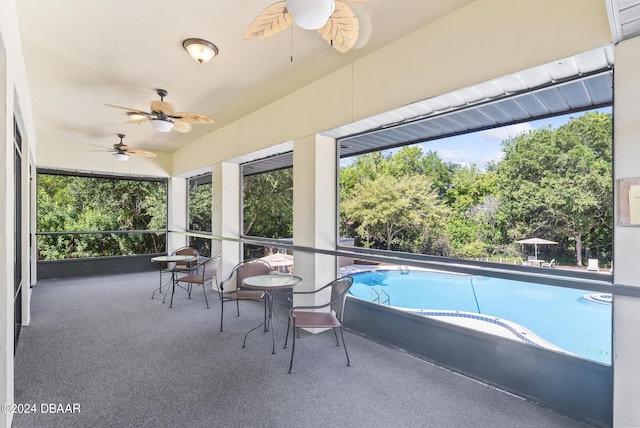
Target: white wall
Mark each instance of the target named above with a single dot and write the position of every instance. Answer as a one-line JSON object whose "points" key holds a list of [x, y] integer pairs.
{"points": [[626, 310], [14, 100]]}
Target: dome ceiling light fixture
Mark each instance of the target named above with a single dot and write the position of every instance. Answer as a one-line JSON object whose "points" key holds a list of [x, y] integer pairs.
{"points": [[201, 50]]}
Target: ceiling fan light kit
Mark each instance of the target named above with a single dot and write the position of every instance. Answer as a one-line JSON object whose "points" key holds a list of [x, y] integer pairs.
{"points": [[122, 152], [163, 117], [201, 50], [161, 125], [333, 19], [121, 156], [310, 14]]}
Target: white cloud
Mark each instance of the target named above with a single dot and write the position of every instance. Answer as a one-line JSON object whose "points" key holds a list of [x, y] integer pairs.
{"points": [[466, 158], [507, 131]]}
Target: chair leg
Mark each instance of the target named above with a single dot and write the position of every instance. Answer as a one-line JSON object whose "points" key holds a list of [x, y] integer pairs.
{"points": [[173, 290], [221, 311], [336, 335], [286, 337], [293, 345], [205, 295], [238, 307], [344, 345], [265, 313]]}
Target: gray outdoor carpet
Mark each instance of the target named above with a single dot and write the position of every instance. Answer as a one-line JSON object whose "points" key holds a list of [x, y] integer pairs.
{"points": [[101, 347]]}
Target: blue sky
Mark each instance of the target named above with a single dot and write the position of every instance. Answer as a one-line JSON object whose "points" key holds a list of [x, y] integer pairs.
{"points": [[482, 147]]}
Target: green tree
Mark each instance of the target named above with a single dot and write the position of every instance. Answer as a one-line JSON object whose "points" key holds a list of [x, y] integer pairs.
{"points": [[557, 183], [78, 204], [385, 207], [200, 200], [268, 204], [364, 167], [471, 228]]}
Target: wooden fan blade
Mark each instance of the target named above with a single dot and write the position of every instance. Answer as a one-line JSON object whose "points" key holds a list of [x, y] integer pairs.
{"points": [[180, 126], [162, 107], [272, 20], [134, 115], [191, 117], [139, 152], [342, 29], [141, 120], [130, 110]]}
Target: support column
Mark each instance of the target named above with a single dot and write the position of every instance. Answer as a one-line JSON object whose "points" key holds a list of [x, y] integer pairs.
{"points": [[314, 211], [177, 215], [626, 310], [226, 215]]}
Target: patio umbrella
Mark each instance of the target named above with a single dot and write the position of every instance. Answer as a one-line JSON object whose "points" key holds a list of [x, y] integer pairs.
{"points": [[278, 259], [536, 242]]}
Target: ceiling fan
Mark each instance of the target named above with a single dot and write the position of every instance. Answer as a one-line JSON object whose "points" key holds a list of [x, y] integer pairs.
{"points": [[334, 20], [122, 152], [163, 118]]}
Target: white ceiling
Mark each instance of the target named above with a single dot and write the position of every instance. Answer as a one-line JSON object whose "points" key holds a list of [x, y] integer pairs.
{"points": [[82, 54]]}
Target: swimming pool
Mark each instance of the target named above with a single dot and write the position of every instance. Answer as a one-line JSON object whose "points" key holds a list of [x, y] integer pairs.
{"points": [[560, 316]]}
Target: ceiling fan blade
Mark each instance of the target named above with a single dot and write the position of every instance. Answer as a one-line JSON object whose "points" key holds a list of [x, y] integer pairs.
{"points": [[342, 29], [272, 20], [134, 115], [130, 110], [359, 1], [141, 120], [191, 117], [162, 107], [181, 126], [139, 152]]}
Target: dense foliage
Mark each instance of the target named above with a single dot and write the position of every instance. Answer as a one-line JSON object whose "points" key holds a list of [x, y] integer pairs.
{"points": [[551, 183], [268, 204], [80, 204], [200, 197]]}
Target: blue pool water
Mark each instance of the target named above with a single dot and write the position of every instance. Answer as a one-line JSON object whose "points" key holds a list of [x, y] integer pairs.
{"points": [[560, 316]]}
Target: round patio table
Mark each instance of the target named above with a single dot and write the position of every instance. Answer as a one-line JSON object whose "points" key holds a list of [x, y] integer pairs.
{"points": [[269, 284], [176, 258]]}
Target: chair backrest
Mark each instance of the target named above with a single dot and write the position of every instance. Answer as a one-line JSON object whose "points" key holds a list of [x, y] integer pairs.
{"points": [[593, 265], [187, 251], [339, 289], [210, 269], [249, 268]]}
